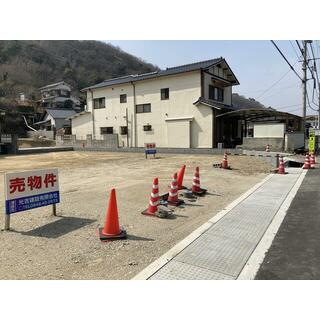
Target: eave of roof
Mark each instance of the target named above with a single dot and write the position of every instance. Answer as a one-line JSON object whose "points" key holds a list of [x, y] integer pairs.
{"points": [[53, 85], [78, 114], [212, 104], [167, 72]]}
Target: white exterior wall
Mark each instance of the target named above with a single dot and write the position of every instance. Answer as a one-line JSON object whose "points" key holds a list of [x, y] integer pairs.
{"points": [[166, 116], [184, 89], [113, 115], [271, 130], [81, 126]]}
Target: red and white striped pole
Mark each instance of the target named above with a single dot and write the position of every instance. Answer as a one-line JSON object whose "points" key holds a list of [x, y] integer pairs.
{"points": [[173, 193], [154, 199], [196, 181]]}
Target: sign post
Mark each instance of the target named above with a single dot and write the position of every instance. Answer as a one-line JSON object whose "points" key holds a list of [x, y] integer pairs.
{"points": [[28, 190], [312, 140], [150, 148]]}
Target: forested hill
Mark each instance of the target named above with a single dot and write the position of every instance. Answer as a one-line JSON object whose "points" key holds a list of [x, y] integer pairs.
{"points": [[27, 65], [241, 102]]}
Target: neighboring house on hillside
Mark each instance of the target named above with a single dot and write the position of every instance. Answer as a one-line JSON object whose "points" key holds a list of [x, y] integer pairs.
{"points": [[54, 120], [58, 96], [176, 107]]}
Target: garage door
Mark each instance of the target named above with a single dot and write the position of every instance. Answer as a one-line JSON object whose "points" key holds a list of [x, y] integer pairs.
{"points": [[178, 134]]}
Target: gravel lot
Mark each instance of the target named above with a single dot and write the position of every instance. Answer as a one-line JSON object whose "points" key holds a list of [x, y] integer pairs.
{"points": [[41, 246]]}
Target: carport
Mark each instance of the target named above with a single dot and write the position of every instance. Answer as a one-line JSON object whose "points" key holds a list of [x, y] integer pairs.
{"points": [[248, 118]]}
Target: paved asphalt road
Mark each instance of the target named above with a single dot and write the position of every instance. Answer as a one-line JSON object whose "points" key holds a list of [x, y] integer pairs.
{"points": [[295, 251]]}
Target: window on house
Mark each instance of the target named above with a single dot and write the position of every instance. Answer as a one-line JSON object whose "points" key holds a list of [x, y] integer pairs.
{"points": [[147, 127], [215, 93], [211, 92], [124, 130], [219, 94], [106, 130], [143, 108], [64, 93], [123, 98], [99, 103], [165, 94]]}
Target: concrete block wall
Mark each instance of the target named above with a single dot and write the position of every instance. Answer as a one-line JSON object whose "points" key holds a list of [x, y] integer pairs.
{"points": [[276, 144]]}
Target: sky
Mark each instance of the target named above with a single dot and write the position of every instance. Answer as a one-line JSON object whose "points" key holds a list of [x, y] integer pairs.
{"points": [[256, 64]]}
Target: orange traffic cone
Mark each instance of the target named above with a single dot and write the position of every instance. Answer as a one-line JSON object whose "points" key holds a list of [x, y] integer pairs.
{"points": [[196, 189], [306, 162], [281, 169], [111, 230], [154, 199], [180, 177], [224, 163], [312, 161], [267, 148], [173, 193]]}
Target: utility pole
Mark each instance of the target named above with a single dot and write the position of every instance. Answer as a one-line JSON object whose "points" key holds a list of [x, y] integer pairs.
{"points": [[319, 107], [304, 86]]}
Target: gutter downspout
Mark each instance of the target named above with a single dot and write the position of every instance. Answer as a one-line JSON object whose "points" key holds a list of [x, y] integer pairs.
{"points": [[25, 120], [134, 114], [93, 124]]}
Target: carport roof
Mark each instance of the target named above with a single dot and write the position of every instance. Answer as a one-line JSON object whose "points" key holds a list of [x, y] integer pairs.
{"points": [[254, 114]]}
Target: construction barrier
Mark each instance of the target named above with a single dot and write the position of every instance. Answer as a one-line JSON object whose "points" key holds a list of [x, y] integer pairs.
{"points": [[281, 169], [196, 189], [111, 229], [173, 199], [154, 199], [306, 164]]}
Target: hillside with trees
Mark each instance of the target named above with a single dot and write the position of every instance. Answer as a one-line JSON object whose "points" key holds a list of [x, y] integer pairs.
{"points": [[241, 102], [26, 66]]}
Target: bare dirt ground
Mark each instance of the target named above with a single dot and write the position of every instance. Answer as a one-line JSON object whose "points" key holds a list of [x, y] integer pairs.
{"points": [[41, 246]]}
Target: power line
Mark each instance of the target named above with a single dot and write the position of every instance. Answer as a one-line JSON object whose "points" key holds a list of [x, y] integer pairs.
{"points": [[294, 49], [309, 105], [280, 90], [283, 56], [301, 50], [315, 66], [292, 105], [275, 83]]}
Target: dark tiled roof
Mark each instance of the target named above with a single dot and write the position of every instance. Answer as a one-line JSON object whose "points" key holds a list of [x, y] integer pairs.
{"points": [[156, 74], [216, 105], [53, 85], [60, 113]]}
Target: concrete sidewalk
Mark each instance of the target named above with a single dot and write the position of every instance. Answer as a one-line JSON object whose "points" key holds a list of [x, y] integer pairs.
{"points": [[221, 248]]}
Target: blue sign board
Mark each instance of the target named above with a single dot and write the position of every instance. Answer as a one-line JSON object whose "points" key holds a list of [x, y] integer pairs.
{"points": [[32, 202], [150, 151]]}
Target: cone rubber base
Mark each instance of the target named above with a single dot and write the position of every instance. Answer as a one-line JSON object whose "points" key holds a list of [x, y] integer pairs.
{"points": [[227, 168], [148, 213], [180, 188], [177, 203], [282, 173], [164, 197], [103, 237], [200, 193]]}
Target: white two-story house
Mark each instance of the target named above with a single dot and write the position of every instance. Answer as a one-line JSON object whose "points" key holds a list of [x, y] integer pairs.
{"points": [[175, 107]]}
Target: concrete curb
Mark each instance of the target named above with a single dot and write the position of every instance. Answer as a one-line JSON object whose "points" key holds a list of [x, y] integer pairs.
{"points": [[169, 255], [252, 266]]}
